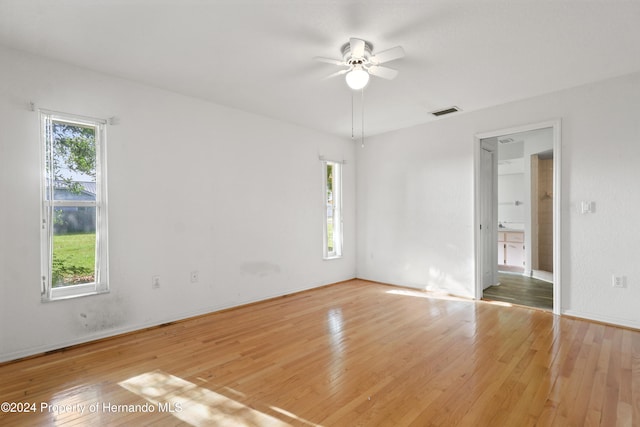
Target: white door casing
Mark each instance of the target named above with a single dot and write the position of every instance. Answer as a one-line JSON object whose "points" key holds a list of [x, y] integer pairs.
{"points": [[487, 219], [479, 141]]}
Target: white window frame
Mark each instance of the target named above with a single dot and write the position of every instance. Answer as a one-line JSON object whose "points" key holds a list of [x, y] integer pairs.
{"points": [[48, 204], [336, 209]]}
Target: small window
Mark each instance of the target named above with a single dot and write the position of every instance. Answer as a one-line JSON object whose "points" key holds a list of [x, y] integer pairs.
{"points": [[74, 217], [332, 211]]}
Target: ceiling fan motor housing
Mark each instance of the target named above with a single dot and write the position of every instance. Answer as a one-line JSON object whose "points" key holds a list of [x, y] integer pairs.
{"points": [[351, 60]]}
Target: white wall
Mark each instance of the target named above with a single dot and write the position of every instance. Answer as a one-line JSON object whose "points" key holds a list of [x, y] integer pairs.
{"points": [[416, 206], [192, 186]]}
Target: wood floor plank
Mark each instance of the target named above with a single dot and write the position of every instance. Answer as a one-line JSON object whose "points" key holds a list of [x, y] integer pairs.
{"points": [[355, 353], [635, 377]]}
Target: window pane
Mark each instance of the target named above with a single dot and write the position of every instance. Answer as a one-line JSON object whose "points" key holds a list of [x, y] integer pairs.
{"points": [[330, 209], [71, 164], [74, 246], [330, 247]]}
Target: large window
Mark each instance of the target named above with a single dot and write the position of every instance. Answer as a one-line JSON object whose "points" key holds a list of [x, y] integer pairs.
{"points": [[332, 177], [74, 220]]}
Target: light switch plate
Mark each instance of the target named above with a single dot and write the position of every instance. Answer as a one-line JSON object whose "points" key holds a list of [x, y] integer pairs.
{"points": [[587, 207]]}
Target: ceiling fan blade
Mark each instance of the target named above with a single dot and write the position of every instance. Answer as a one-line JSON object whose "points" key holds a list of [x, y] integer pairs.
{"points": [[330, 61], [387, 55], [356, 47], [384, 72], [337, 73]]}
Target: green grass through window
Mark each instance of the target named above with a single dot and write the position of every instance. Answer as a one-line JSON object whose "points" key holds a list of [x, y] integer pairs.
{"points": [[74, 259]]}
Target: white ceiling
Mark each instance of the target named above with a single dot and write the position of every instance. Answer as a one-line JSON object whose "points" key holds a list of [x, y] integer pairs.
{"points": [[257, 55]]}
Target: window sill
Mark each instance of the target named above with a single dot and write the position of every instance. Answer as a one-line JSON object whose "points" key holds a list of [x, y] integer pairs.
{"points": [[74, 291]]}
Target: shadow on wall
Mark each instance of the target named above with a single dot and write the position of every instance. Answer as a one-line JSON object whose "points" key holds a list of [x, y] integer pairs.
{"points": [[439, 276], [439, 280]]}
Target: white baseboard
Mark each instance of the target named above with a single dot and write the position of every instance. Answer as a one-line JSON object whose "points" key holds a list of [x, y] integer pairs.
{"points": [[604, 319], [545, 276]]}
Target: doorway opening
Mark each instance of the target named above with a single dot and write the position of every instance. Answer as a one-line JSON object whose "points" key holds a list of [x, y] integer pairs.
{"points": [[518, 215]]}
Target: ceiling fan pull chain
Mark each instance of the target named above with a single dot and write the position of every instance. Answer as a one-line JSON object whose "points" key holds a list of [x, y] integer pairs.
{"points": [[362, 125], [352, 117]]}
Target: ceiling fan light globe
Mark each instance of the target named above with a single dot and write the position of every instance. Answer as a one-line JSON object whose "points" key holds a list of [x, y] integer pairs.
{"points": [[357, 78]]}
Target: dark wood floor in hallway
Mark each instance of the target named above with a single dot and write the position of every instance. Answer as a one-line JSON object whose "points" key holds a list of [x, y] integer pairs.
{"points": [[521, 290], [351, 354]]}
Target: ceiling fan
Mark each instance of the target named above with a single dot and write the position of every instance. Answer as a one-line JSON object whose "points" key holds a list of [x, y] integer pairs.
{"points": [[360, 62]]}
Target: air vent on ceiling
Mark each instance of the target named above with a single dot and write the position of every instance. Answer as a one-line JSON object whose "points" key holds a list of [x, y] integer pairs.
{"points": [[509, 140], [445, 111]]}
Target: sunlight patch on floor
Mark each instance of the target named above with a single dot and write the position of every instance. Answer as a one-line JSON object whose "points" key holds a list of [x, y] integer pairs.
{"points": [[196, 405], [294, 416], [504, 304], [430, 295]]}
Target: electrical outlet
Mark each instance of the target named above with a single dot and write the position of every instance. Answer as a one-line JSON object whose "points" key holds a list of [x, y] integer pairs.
{"points": [[155, 282], [619, 281], [194, 276]]}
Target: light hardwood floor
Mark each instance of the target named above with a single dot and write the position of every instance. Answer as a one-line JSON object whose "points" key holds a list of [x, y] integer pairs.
{"points": [[355, 353]]}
